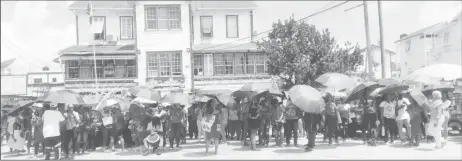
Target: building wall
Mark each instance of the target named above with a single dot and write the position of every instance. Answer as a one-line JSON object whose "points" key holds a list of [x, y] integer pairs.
{"points": [[447, 51], [219, 26], [163, 40], [415, 57], [112, 25], [376, 54], [47, 84]]}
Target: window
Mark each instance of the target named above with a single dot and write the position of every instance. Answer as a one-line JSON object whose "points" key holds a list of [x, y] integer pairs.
{"points": [[250, 61], [38, 80], [85, 69], [260, 64], [408, 45], [109, 69], [198, 64], [164, 64], [446, 38], [73, 69], [54, 80], [206, 26], [102, 35], [228, 63], [126, 27], [218, 64], [239, 63], [163, 17], [232, 30]]}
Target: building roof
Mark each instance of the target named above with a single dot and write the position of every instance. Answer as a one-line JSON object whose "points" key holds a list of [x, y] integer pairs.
{"points": [[231, 47], [7, 63], [424, 30], [83, 5], [217, 5], [378, 47], [108, 49]]}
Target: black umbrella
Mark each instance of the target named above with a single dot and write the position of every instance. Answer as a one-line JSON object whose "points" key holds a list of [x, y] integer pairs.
{"points": [[394, 88], [20, 106], [362, 90]]}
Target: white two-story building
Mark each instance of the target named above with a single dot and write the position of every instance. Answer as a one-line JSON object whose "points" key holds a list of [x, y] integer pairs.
{"points": [[439, 43], [163, 38], [114, 40], [40, 83], [225, 57]]}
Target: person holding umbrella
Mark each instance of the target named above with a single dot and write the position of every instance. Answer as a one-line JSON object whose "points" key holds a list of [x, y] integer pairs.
{"points": [[403, 117], [51, 132]]}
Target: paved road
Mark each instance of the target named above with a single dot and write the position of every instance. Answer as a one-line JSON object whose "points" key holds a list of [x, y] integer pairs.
{"points": [[351, 149]]}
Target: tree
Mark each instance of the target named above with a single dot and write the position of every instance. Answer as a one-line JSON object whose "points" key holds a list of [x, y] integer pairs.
{"points": [[299, 53]]}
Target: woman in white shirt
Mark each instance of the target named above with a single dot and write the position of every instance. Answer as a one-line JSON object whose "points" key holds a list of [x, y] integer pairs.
{"points": [[403, 117], [436, 119], [387, 108]]}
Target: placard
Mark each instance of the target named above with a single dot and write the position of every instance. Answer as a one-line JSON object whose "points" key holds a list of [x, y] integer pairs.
{"points": [[208, 123]]}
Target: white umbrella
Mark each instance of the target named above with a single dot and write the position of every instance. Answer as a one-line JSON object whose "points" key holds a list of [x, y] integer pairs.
{"points": [[438, 71]]}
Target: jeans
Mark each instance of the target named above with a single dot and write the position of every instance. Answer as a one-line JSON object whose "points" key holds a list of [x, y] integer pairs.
{"points": [[263, 133], [277, 127], [342, 130], [391, 129], [291, 126], [368, 126], [407, 123], [192, 130], [234, 127]]}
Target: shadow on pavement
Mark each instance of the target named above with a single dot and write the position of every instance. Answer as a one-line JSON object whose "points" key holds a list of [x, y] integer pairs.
{"points": [[198, 154], [242, 148], [298, 150]]}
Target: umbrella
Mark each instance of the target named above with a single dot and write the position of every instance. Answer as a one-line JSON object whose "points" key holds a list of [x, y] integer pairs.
{"points": [[376, 92], [387, 82], [202, 98], [439, 71], [176, 98], [420, 79], [251, 89], [62, 96], [307, 98], [227, 100], [420, 98], [336, 80], [441, 87], [362, 90], [124, 104], [20, 106], [212, 92], [145, 92], [394, 88]]}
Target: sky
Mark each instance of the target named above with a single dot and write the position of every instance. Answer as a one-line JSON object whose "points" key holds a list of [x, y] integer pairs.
{"points": [[33, 31]]}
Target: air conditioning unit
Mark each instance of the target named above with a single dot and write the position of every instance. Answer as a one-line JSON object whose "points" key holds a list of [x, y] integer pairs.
{"points": [[207, 30]]}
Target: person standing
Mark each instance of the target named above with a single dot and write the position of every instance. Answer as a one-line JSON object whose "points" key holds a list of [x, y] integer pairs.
{"points": [[198, 112], [176, 116], [51, 132], [415, 113], [192, 121], [254, 123], [388, 118], [72, 121], [265, 115], [37, 129], [448, 104], [344, 110], [436, 119], [234, 122], [223, 122], [312, 120], [245, 105], [291, 125], [403, 117], [332, 118], [277, 117], [210, 125]]}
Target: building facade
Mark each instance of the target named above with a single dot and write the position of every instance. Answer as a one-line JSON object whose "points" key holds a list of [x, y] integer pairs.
{"points": [[163, 36], [111, 37], [439, 43], [391, 63], [39, 83], [224, 55]]}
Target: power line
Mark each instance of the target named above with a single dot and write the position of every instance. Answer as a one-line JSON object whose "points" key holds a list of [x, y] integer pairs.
{"points": [[23, 51], [29, 62], [314, 14]]}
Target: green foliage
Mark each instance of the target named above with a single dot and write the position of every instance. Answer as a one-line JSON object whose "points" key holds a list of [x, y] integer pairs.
{"points": [[299, 51]]}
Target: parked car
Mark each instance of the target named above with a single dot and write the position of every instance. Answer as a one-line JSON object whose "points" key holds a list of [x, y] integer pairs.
{"points": [[455, 121]]}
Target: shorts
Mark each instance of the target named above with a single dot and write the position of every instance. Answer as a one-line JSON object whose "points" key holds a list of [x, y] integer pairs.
{"points": [[54, 141]]}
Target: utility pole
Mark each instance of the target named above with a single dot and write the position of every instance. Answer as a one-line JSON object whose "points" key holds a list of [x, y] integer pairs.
{"points": [[382, 47], [368, 42], [191, 42]]}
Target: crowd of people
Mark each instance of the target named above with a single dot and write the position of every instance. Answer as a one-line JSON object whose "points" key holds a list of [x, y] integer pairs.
{"points": [[70, 129]]}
